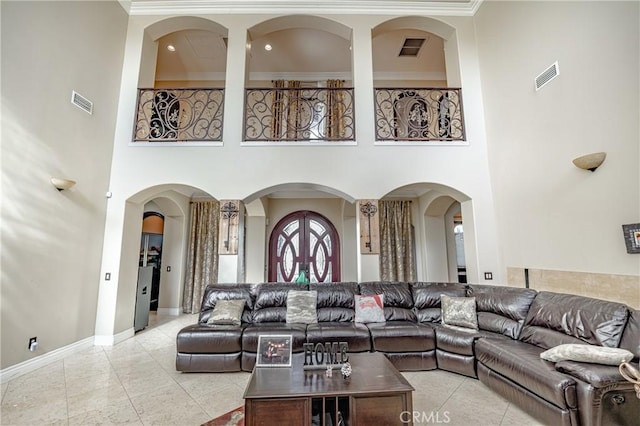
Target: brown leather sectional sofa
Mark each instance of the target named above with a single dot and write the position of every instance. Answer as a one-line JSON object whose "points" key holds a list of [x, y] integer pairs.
{"points": [[515, 325]]}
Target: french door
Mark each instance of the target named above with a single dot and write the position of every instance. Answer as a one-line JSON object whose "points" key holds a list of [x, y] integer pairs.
{"points": [[304, 241]]}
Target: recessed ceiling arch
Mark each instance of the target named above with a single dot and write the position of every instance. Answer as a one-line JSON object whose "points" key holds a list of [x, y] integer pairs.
{"points": [[299, 21], [160, 29], [431, 25]]}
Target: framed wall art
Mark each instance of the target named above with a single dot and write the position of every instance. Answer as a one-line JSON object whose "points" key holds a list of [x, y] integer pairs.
{"points": [[632, 237], [274, 351]]}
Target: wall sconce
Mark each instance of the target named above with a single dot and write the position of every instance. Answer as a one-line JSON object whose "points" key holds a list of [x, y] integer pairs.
{"points": [[590, 161], [62, 184]]}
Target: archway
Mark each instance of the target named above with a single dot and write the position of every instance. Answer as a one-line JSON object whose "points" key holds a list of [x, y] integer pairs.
{"points": [[172, 201], [304, 241]]}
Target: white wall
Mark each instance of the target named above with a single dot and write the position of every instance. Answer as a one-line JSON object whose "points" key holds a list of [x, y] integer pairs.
{"points": [[233, 171], [552, 215], [52, 241]]}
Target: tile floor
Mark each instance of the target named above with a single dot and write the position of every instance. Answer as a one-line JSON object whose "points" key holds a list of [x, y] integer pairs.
{"points": [[135, 383]]}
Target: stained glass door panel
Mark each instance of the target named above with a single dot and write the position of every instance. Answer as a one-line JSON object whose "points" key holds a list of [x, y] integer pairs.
{"points": [[306, 241]]}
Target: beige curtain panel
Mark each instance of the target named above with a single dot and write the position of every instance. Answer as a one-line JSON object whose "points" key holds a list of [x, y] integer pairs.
{"points": [[294, 112], [278, 110], [397, 254], [335, 106], [202, 257]]}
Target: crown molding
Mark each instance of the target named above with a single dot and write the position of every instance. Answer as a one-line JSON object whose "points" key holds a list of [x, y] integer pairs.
{"points": [[360, 7]]}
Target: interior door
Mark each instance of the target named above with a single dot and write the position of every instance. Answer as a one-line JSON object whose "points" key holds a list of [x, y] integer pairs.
{"points": [[307, 241]]}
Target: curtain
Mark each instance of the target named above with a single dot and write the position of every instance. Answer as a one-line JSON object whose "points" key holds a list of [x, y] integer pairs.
{"points": [[397, 254], [202, 257], [278, 110], [335, 110], [294, 110]]}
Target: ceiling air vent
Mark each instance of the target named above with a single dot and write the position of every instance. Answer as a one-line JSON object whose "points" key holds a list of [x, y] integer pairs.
{"points": [[81, 102], [548, 75], [411, 47]]}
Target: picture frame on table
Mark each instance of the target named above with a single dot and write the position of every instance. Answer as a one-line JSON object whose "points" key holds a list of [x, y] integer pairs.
{"points": [[631, 234], [274, 350]]}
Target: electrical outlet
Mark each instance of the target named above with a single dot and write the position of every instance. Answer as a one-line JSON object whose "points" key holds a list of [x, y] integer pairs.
{"points": [[33, 344], [488, 275]]}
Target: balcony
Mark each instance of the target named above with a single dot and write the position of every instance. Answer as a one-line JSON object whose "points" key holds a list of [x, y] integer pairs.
{"points": [[419, 115], [179, 115], [299, 115]]}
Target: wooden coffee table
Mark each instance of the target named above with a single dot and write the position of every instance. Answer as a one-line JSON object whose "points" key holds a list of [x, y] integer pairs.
{"points": [[375, 394]]}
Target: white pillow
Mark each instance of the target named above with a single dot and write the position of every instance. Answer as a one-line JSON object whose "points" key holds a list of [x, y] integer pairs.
{"points": [[460, 311], [587, 353]]}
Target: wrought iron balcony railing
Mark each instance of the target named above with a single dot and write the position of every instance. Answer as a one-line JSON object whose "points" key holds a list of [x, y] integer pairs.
{"points": [[299, 114], [427, 114], [179, 115]]}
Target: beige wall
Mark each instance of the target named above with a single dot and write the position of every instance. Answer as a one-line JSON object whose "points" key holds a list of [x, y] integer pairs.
{"points": [[52, 241], [551, 215], [616, 288]]}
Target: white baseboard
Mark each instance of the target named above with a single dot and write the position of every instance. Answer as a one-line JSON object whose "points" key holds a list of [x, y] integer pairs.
{"points": [[169, 311], [110, 340], [45, 359]]}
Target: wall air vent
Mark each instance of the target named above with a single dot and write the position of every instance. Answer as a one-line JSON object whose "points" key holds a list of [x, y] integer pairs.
{"points": [[411, 47], [81, 102], [549, 74]]}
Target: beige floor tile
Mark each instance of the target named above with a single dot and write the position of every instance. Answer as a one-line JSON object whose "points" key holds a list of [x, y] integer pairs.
{"points": [[473, 403], [517, 417], [120, 412], [169, 405], [4, 387], [135, 383]]}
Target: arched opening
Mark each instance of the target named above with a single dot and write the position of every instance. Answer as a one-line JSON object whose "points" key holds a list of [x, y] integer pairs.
{"points": [[171, 201], [304, 246], [269, 206], [437, 209]]}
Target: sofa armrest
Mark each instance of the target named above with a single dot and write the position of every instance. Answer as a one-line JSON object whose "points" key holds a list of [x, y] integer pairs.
{"points": [[597, 375]]}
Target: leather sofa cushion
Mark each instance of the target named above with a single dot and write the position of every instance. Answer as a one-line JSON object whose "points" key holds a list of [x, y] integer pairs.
{"points": [[356, 335], [336, 314], [509, 302], [401, 336], [335, 295], [597, 375], [252, 331], [398, 302], [499, 324], [270, 295], [427, 295], [273, 314], [631, 335], [520, 363], [501, 309], [210, 339], [458, 341], [395, 294], [431, 315], [426, 298], [556, 318], [215, 292]]}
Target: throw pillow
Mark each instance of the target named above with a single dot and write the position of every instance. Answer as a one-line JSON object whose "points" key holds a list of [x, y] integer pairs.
{"points": [[301, 306], [460, 311], [227, 312], [369, 308], [587, 353]]}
